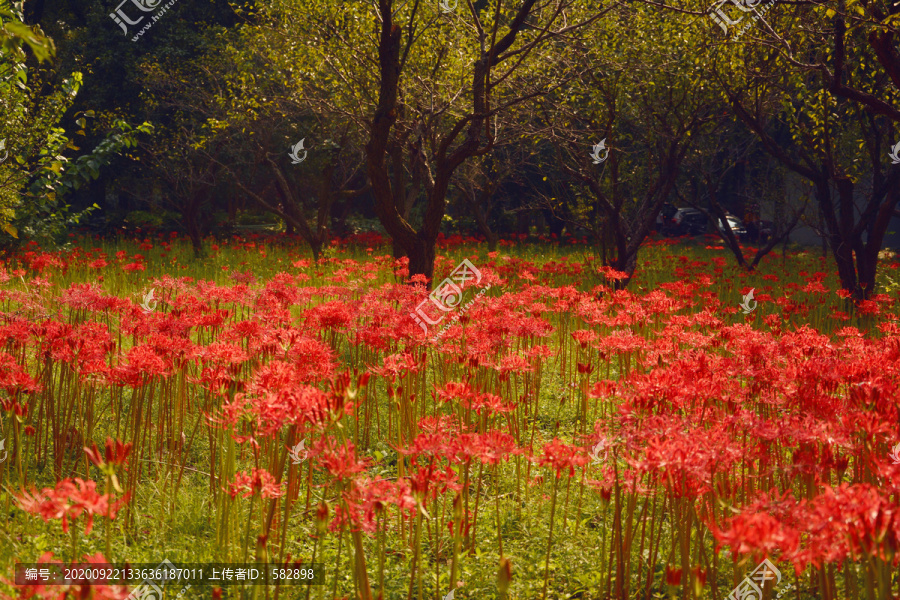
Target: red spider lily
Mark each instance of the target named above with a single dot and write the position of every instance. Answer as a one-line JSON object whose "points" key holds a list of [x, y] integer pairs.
{"points": [[757, 531], [13, 378], [275, 398], [438, 439], [399, 365], [331, 315], [584, 337], [86, 589], [559, 456], [492, 446], [115, 453], [472, 399], [69, 500], [85, 296], [430, 481], [134, 266], [341, 462], [258, 481], [143, 365], [366, 498]]}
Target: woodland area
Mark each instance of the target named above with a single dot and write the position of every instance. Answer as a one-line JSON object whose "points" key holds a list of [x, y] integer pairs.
{"points": [[419, 118]]}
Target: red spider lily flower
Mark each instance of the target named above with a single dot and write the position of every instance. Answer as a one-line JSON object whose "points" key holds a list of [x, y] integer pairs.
{"points": [[134, 266], [13, 378], [542, 352], [341, 461], [115, 453], [558, 456], [699, 576], [276, 398], [94, 589], [673, 576], [815, 287], [437, 440], [331, 315], [399, 365], [490, 403], [142, 367], [494, 446], [85, 296], [512, 364], [584, 337], [258, 481], [454, 390], [612, 274], [69, 500], [472, 399], [366, 498], [757, 532], [431, 481]]}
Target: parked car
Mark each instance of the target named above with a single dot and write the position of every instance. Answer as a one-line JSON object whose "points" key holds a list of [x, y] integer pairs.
{"points": [[688, 221], [735, 224]]}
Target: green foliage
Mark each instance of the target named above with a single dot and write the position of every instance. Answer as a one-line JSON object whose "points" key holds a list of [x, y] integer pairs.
{"points": [[16, 35], [36, 175], [44, 176]]}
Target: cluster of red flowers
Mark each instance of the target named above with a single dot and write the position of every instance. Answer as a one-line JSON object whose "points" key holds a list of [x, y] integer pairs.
{"points": [[68, 501], [771, 433]]}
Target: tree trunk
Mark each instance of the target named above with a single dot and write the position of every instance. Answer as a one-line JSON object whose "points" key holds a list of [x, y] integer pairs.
{"points": [[421, 258], [718, 214], [480, 205], [316, 247], [554, 224], [626, 263], [192, 223], [193, 231]]}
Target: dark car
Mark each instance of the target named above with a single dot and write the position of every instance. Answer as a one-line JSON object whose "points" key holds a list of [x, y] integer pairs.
{"points": [[688, 221], [736, 225]]}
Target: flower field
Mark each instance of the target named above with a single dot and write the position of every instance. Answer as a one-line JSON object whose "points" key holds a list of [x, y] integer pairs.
{"points": [[561, 438]]}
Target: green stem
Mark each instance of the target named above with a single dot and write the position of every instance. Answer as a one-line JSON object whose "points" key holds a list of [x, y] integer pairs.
{"points": [[550, 537]]}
